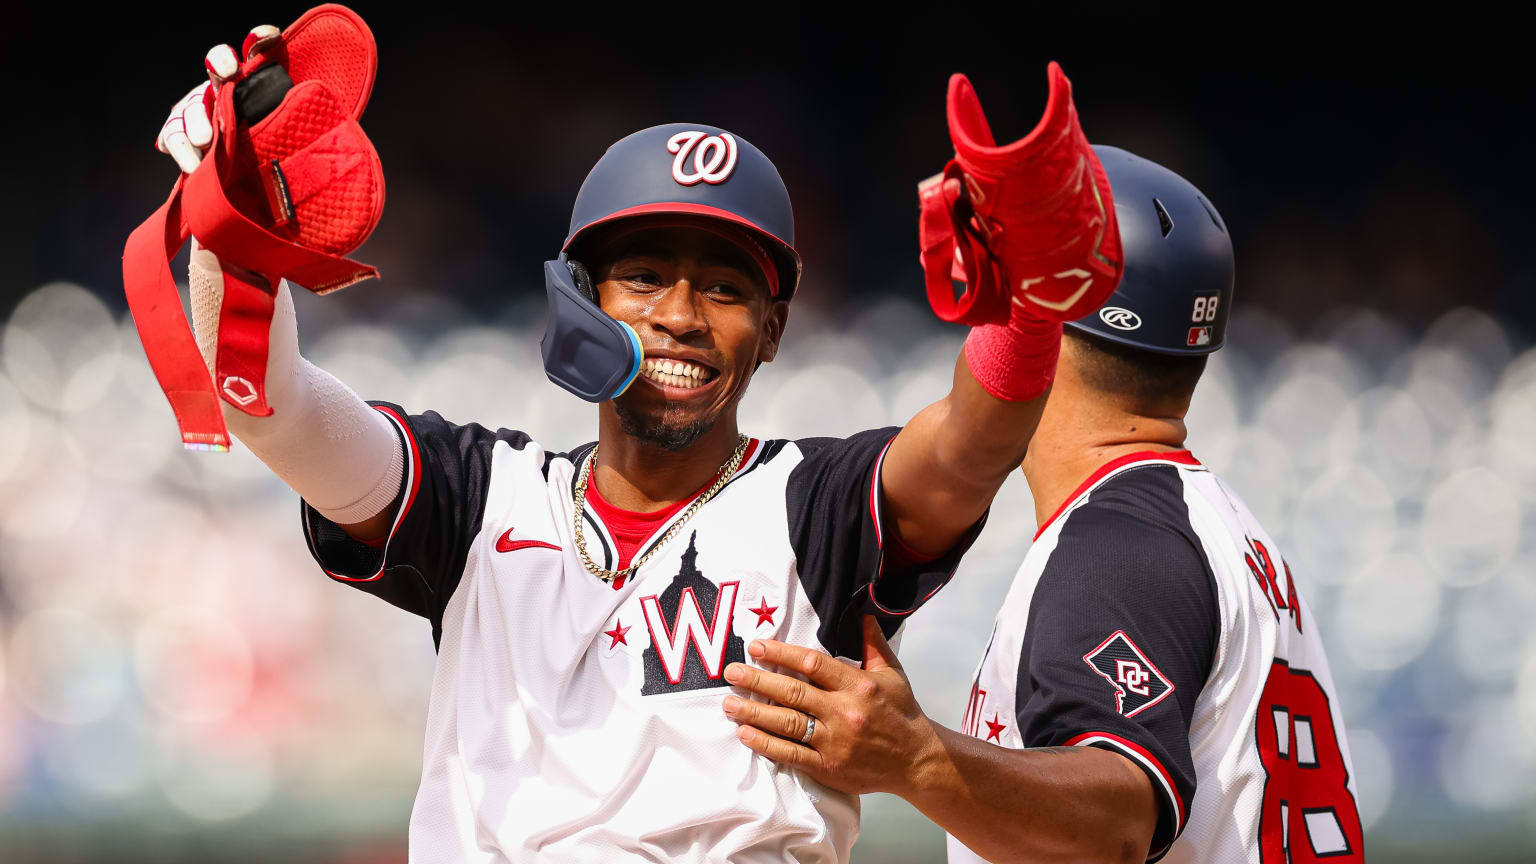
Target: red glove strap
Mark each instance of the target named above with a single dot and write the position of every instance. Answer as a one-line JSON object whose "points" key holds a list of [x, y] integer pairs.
{"points": [[1015, 362], [331, 197]]}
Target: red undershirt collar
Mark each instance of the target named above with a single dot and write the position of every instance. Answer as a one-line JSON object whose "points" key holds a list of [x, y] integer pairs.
{"points": [[629, 529]]}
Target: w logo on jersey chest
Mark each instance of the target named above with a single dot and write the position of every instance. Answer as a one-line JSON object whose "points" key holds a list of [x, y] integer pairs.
{"points": [[692, 638]]}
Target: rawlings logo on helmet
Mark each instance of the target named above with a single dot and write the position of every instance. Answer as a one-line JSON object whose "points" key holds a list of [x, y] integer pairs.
{"points": [[714, 157], [1120, 318]]}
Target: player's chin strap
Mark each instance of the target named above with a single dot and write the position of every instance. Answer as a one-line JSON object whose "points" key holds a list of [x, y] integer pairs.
{"points": [[585, 349], [293, 156]]}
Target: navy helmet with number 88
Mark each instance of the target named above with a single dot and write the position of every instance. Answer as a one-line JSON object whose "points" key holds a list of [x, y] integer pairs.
{"points": [[1176, 294]]}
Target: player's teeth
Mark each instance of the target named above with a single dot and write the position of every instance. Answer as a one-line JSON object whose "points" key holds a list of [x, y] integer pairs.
{"points": [[681, 373]]}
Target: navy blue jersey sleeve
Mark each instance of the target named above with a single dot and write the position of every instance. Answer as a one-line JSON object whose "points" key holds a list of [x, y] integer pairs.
{"points": [[838, 531], [437, 515], [1122, 634]]}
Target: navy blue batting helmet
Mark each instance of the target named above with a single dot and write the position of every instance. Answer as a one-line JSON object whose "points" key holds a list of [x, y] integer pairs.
{"points": [[698, 170], [1176, 294], [680, 169]]}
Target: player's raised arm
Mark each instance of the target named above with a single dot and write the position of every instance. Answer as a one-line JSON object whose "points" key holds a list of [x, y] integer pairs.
{"points": [[344, 458], [1029, 228]]}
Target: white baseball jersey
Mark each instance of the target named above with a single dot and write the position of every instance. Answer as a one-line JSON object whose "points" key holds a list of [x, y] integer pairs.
{"points": [[1155, 617], [577, 720]]}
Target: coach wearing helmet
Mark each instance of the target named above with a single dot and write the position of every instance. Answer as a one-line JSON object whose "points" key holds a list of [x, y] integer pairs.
{"points": [[1153, 621], [586, 601]]}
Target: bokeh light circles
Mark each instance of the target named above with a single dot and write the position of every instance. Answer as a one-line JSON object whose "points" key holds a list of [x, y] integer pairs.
{"points": [[193, 665], [1344, 521], [215, 778], [66, 667], [60, 347], [1471, 526], [1387, 614]]}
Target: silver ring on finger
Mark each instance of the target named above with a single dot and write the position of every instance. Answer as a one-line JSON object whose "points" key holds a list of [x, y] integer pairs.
{"points": [[810, 729]]}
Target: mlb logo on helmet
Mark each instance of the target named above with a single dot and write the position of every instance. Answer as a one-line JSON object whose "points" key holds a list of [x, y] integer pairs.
{"points": [[1199, 336]]}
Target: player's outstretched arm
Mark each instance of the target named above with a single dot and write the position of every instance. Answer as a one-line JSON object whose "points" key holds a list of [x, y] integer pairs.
{"points": [[1049, 804], [948, 462], [1029, 229], [325, 442]]}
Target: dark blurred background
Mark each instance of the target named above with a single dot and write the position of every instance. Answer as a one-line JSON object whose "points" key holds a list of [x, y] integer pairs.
{"points": [[1344, 154], [186, 687]]}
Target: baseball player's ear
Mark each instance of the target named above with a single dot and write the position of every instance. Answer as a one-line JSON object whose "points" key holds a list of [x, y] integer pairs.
{"points": [[773, 330]]}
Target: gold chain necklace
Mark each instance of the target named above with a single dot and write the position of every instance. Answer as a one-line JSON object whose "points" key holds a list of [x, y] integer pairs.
{"points": [[727, 471]]}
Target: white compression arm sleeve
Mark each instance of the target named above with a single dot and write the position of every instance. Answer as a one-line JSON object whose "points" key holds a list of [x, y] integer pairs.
{"points": [[324, 441]]}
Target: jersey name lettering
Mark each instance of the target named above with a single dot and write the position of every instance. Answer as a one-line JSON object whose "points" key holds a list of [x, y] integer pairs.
{"points": [[1262, 566]]}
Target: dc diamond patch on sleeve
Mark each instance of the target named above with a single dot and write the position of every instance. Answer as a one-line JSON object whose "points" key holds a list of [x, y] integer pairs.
{"points": [[1138, 685]]}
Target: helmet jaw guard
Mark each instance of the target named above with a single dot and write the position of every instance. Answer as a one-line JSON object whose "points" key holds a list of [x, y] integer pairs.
{"points": [[679, 169], [585, 350], [1176, 294]]}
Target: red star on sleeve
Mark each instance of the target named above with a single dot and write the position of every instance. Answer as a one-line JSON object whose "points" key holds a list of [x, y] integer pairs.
{"points": [[994, 729], [617, 634], [764, 612]]}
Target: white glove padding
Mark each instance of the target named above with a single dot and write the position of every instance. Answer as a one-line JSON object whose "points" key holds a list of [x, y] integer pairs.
{"points": [[325, 442], [187, 132]]}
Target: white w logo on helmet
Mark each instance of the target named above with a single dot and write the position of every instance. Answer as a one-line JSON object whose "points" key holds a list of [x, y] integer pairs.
{"points": [[714, 157]]}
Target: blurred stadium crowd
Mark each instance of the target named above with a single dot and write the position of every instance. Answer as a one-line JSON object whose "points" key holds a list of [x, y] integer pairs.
{"points": [[170, 656]]}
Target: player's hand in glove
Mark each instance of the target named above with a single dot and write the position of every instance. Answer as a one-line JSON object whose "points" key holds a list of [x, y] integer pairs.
{"points": [[1030, 230], [188, 130], [185, 137]]}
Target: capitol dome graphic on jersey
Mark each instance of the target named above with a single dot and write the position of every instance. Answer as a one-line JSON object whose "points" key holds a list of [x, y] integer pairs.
{"points": [[692, 635]]}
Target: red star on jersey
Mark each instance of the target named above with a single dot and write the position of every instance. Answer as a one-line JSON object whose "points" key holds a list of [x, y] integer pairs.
{"points": [[617, 634], [994, 729], [764, 612]]}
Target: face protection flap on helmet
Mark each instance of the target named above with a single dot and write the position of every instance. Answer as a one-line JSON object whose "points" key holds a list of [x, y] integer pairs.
{"points": [[585, 350]]}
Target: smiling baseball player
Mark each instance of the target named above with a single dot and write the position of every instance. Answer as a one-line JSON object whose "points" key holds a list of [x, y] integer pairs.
{"points": [[1154, 686], [586, 601]]}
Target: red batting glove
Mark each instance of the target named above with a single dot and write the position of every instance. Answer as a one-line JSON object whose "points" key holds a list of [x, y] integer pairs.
{"points": [[1030, 230]]}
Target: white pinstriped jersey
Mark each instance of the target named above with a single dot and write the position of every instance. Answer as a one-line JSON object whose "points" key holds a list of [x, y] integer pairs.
{"points": [[1155, 617], [573, 720]]}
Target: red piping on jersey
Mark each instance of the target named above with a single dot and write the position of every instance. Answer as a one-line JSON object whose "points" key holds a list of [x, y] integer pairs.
{"points": [[1183, 457], [1133, 747], [874, 492], [410, 497], [874, 514], [630, 529]]}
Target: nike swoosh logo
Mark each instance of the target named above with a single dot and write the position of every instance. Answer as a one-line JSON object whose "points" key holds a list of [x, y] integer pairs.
{"points": [[505, 543]]}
